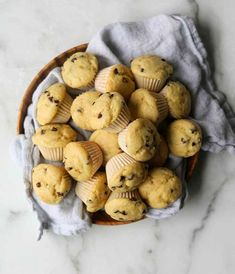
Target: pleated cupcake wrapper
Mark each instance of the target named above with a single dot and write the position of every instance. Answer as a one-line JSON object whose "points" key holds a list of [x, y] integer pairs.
{"points": [[116, 163], [84, 188], [149, 83], [101, 80], [95, 153], [121, 122], [63, 113], [52, 154], [122, 140], [162, 106], [124, 195]]}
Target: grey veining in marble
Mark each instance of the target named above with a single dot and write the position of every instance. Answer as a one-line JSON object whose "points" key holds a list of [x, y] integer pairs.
{"points": [[200, 239]]}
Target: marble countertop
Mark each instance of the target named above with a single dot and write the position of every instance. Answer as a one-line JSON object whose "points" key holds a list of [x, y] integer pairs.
{"points": [[200, 239]]}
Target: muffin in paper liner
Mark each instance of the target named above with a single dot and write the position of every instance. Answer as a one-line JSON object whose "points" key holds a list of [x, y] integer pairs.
{"points": [[149, 83], [121, 122], [125, 206], [94, 192], [63, 114], [124, 173], [116, 78]]}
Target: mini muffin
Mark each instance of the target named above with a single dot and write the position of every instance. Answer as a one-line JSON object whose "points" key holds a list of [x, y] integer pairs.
{"points": [[116, 78], [148, 105], [161, 188], [79, 70], [94, 192], [51, 140], [53, 105], [178, 99], [108, 142], [81, 108], [109, 112], [151, 72], [160, 157], [50, 183], [125, 206], [124, 173], [184, 138], [140, 139], [82, 159]]}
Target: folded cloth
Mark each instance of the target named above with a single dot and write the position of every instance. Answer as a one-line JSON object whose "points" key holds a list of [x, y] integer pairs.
{"points": [[176, 39]]}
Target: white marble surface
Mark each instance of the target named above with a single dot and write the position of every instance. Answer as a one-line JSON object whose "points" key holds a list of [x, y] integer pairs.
{"points": [[200, 239]]}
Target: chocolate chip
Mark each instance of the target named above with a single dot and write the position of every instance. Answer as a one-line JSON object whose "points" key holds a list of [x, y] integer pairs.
{"points": [[105, 184], [113, 187], [60, 194], [69, 168], [51, 98], [172, 190], [90, 201], [56, 101], [183, 140], [120, 186], [117, 211], [100, 115], [54, 129], [100, 94], [73, 59], [45, 169], [120, 219], [147, 145], [122, 178], [43, 131], [115, 71], [123, 212], [193, 144], [193, 130], [80, 110], [163, 60], [46, 91], [93, 103], [142, 69], [38, 184], [111, 96], [106, 192], [124, 80]]}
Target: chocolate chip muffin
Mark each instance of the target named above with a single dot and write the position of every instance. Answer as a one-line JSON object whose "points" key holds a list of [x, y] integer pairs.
{"points": [[140, 139], [53, 105], [82, 107], [108, 143], [82, 159], [148, 105], [79, 70], [50, 183], [184, 138], [94, 192], [151, 72], [161, 188], [125, 206], [124, 173], [116, 78], [178, 99], [51, 140], [109, 112]]}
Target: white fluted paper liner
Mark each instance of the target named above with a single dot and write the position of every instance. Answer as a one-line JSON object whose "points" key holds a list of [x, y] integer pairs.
{"points": [[131, 195], [149, 83], [95, 153], [52, 154], [121, 122], [63, 114], [117, 162], [122, 140], [162, 106], [101, 79]]}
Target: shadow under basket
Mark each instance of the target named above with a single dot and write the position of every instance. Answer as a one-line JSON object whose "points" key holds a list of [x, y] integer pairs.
{"points": [[100, 217]]}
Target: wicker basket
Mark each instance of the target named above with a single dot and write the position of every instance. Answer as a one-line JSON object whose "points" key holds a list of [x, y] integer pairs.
{"points": [[100, 217]]}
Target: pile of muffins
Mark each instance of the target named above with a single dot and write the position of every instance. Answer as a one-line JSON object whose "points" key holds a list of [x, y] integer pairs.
{"points": [[136, 115]]}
